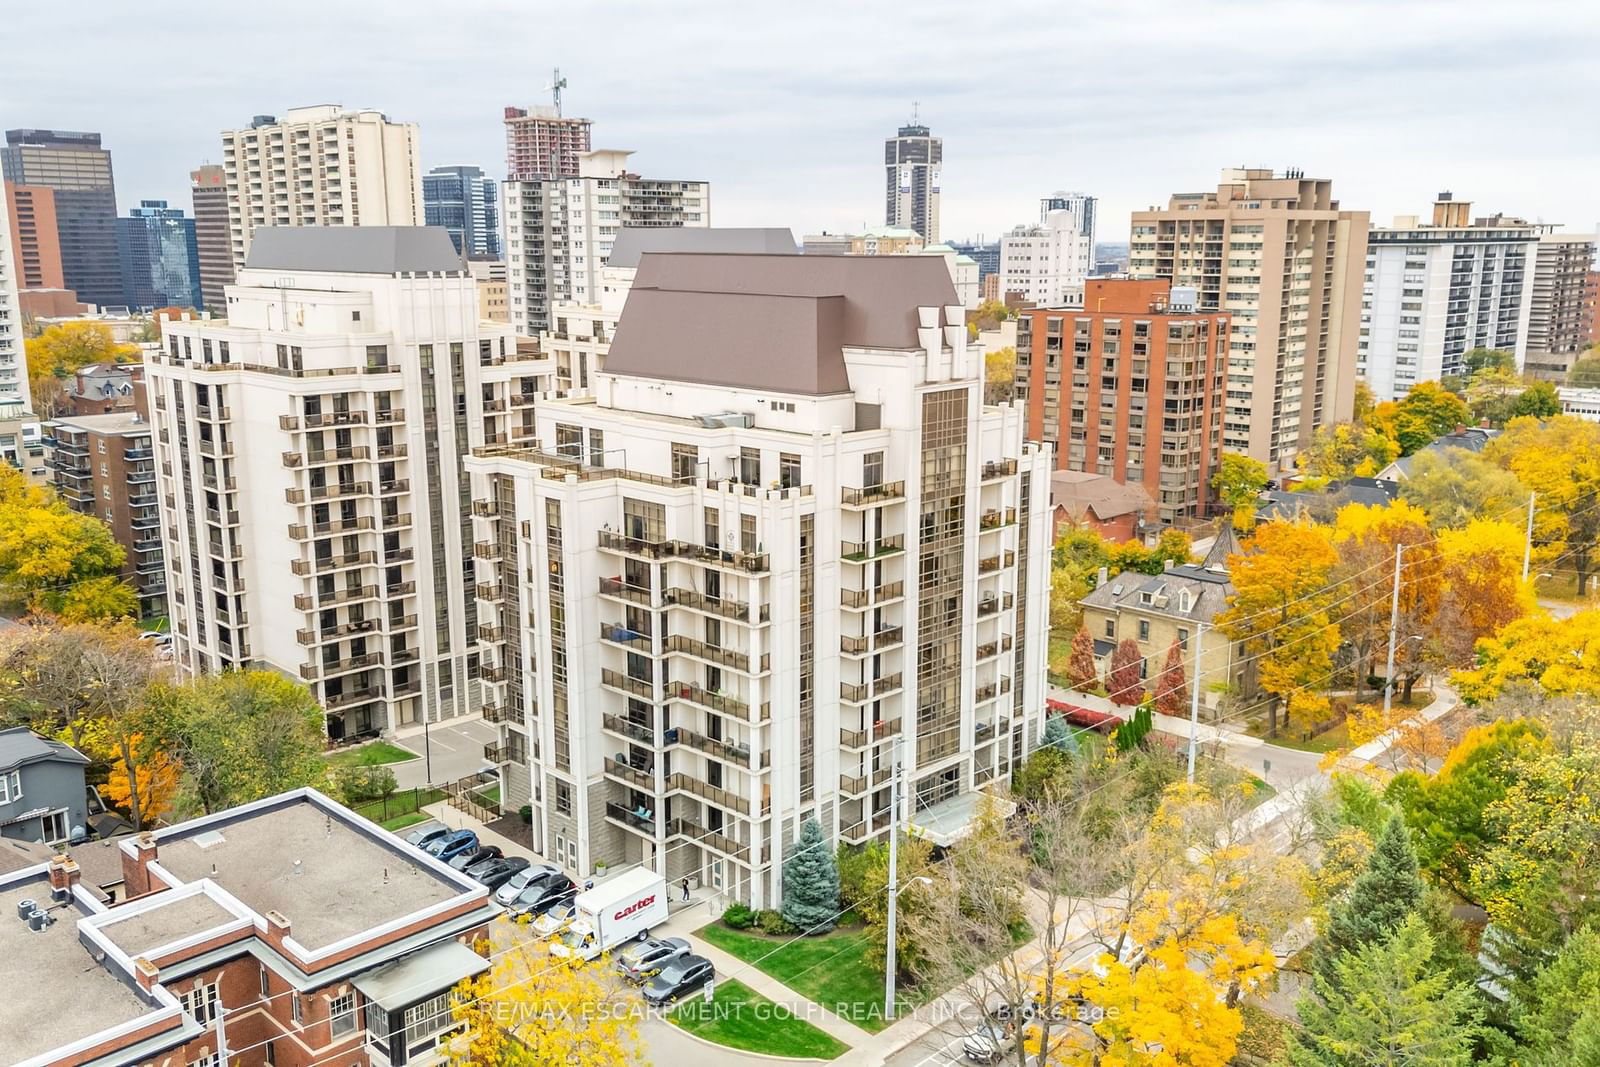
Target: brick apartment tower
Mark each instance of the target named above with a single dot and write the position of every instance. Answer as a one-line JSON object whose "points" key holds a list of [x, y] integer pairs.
{"points": [[34, 239], [1137, 394], [540, 143]]}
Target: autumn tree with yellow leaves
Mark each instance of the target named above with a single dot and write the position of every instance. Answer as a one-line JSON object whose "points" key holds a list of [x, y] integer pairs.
{"points": [[60, 352], [1559, 459], [1280, 612], [531, 1008], [57, 561]]}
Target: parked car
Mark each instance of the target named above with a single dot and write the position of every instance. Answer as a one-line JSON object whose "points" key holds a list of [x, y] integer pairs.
{"points": [[556, 919], [640, 960], [680, 977], [451, 845], [426, 836], [540, 897], [538, 872], [496, 872], [477, 855]]}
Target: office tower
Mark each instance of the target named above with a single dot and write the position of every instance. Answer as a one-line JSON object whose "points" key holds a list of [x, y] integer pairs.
{"points": [[1080, 207], [104, 465], [1048, 262], [1280, 257], [912, 158], [308, 467], [208, 188], [1558, 319], [986, 254], [1138, 393], [580, 333], [1436, 290], [466, 202], [559, 231], [542, 144], [78, 172], [13, 358], [35, 237], [160, 260], [782, 541], [320, 166]]}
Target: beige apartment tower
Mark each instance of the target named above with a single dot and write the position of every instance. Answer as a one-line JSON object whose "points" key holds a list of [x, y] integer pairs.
{"points": [[320, 166], [1279, 256]]}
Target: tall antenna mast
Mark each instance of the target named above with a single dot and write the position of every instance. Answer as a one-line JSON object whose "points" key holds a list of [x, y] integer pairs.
{"points": [[916, 109], [557, 83]]}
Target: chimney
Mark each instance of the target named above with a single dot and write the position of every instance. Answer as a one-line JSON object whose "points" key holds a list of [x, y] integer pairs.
{"points": [[1166, 565], [146, 973], [277, 931], [1103, 577], [64, 874], [135, 868]]}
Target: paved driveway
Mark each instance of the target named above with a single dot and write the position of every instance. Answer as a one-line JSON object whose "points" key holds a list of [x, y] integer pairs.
{"points": [[450, 751]]}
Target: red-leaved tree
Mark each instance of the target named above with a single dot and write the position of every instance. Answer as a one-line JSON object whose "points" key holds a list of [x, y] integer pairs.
{"points": [[1172, 690], [1123, 682]]}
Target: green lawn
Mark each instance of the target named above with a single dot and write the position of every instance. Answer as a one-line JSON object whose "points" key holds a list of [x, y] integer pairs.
{"points": [[404, 803], [741, 1018], [400, 822], [1058, 652], [830, 969], [490, 797], [371, 754]]}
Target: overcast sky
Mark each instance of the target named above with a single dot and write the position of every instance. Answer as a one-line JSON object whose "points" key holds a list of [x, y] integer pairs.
{"points": [[784, 107]]}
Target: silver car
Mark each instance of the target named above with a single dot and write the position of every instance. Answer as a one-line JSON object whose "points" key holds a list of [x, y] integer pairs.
{"points": [[643, 959]]}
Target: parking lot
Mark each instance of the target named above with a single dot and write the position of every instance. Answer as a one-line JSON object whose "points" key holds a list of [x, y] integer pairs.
{"points": [[449, 751]]}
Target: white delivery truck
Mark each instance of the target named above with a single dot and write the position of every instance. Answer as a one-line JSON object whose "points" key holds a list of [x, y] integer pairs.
{"points": [[613, 913]]}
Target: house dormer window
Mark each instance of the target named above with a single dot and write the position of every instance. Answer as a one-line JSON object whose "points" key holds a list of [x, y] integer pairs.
{"points": [[1184, 600], [1145, 598]]}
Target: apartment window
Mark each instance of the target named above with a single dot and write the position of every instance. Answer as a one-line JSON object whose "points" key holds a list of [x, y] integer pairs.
{"points": [[1183, 639], [377, 357], [201, 1002], [342, 1012], [296, 1009], [427, 1018], [1111, 628], [750, 466], [872, 470], [563, 798], [1144, 629], [684, 460], [266, 981], [569, 440], [788, 470], [713, 528], [597, 448]]}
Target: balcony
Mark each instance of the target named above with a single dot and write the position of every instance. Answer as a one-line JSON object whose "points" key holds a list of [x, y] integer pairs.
{"points": [[299, 531], [639, 779], [885, 638], [990, 649], [737, 610], [699, 696], [323, 564], [739, 661], [289, 422], [633, 731], [700, 835], [395, 485], [391, 452], [995, 470], [711, 746], [337, 455], [213, 447], [492, 593], [617, 634], [222, 518], [749, 562], [400, 622], [308, 636], [989, 564], [312, 671], [391, 415], [354, 696], [490, 672], [996, 518], [680, 782], [397, 521], [877, 687], [881, 731], [634, 820], [485, 509], [486, 549], [861, 551], [865, 598], [507, 713], [632, 686], [872, 495], [494, 752], [308, 601], [336, 418], [633, 594], [990, 605], [852, 784]]}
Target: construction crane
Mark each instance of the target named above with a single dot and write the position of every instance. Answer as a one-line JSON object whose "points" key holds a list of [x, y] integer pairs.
{"points": [[557, 83]]}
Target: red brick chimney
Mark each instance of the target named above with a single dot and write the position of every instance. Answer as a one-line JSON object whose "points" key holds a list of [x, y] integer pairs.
{"points": [[135, 869], [146, 973], [64, 873], [277, 931]]}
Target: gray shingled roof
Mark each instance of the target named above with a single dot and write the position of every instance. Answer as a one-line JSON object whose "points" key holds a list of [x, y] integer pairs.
{"points": [[354, 249], [20, 745], [777, 323], [633, 241], [1208, 590]]}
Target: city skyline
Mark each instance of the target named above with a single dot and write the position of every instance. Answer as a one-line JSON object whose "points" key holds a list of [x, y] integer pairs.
{"points": [[797, 139]]}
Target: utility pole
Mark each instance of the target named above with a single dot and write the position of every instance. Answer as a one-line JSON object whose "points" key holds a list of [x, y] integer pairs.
{"points": [[1394, 634], [1527, 544], [894, 876], [1194, 699]]}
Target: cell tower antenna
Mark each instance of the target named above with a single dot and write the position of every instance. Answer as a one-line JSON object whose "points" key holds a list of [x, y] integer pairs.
{"points": [[916, 110], [557, 83]]}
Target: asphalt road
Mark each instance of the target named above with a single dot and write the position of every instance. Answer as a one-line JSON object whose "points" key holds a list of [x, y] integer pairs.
{"points": [[451, 751]]}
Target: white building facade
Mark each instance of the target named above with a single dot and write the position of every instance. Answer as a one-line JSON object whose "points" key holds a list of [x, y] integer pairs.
{"points": [[316, 512], [1434, 292], [13, 360], [320, 166], [1047, 262], [559, 231], [783, 538]]}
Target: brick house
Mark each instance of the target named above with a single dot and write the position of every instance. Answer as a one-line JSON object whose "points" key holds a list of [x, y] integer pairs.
{"points": [[288, 932]]}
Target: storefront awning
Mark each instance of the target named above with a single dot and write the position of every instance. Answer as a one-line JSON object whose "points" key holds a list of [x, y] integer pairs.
{"points": [[421, 975]]}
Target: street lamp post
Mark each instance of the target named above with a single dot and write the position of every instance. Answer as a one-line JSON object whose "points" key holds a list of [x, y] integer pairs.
{"points": [[888, 974]]}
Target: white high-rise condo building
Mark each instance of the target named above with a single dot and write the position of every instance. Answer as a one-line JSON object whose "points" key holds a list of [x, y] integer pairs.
{"points": [[1047, 262], [13, 363], [559, 230], [1435, 291], [783, 541], [320, 166], [1280, 257], [1083, 209], [314, 503]]}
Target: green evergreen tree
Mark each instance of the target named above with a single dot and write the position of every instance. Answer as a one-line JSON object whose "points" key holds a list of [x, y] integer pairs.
{"points": [[1378, 901], [811, 882], [1560, 1009], [1058, 735], [1385, 1004]]}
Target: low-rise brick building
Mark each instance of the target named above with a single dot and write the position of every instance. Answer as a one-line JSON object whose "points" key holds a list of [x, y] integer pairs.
{"points": [[289, 932]]}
